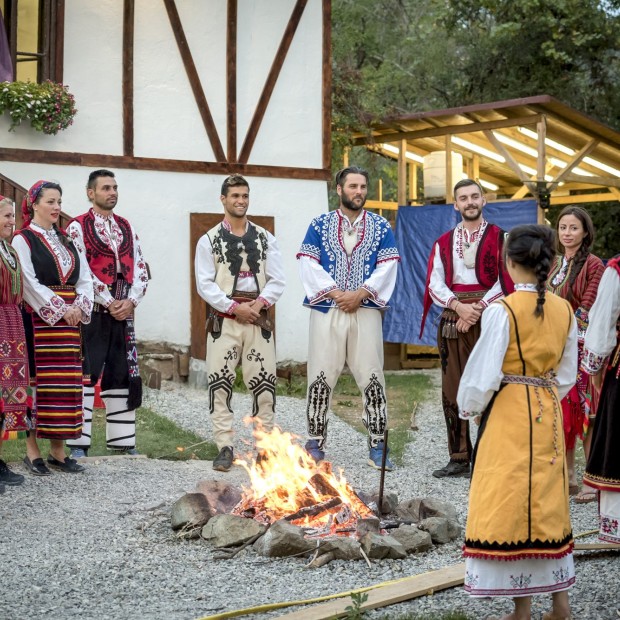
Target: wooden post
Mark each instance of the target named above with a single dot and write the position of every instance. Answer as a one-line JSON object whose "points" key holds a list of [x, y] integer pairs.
{"points": [[402, 173], [413, 183], [345, 157], [449, 183], [541, 162], [475, 167]]}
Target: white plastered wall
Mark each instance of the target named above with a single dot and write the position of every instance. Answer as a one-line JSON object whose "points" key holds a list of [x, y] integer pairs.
{"points": [[167, 125]]}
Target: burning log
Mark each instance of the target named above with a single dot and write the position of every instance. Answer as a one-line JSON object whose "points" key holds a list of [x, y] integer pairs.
{"points": [[322, 485], [313, 511]]}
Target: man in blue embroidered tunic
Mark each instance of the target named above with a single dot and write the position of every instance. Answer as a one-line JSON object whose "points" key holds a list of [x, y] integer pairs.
{"points": [[347, 262], [239, 274]]}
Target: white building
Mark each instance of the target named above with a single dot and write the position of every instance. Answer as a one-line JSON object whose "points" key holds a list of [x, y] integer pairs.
{"points": [[173, 95]]}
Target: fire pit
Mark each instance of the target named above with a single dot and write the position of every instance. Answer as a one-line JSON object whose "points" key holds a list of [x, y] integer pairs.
{"points": [[286, 483]]}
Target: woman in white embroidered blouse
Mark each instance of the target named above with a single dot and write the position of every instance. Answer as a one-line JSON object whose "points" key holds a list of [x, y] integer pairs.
{"points": [[58, 292]]}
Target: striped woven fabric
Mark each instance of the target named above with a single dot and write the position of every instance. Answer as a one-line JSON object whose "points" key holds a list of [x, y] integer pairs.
{"points": [[58, 360]]}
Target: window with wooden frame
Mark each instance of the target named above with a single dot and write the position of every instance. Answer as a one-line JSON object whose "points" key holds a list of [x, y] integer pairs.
{"points": [[35, 31]]}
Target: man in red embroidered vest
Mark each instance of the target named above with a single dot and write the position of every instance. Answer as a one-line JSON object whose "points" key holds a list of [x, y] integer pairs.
{"points": [[120, 280], [465, 274]]}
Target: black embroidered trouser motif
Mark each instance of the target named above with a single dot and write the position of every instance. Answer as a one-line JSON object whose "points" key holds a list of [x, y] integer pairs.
{"points": [[240, 343]]}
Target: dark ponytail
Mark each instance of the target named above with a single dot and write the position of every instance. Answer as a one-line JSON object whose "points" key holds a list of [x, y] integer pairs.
{"points": [[532, 246]]}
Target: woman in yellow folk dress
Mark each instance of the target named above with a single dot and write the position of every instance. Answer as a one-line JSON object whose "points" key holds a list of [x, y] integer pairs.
{"points": [[518, 539]]}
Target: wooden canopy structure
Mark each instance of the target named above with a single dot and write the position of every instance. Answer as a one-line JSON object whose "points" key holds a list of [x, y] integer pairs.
{"points": [[535, 146]]}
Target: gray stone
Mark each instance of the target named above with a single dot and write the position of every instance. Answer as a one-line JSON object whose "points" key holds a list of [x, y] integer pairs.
{"points": [[343, 548], [368, 524], [409, 509], [283, 539], [413, 539], [432, 507], [437, 527], [230, 530], [382, 547], [191, 510], [389, 504], [454, 529], [221, 496]]}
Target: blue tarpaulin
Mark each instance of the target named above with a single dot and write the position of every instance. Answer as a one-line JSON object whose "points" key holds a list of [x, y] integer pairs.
{"points": [[417, 229]]}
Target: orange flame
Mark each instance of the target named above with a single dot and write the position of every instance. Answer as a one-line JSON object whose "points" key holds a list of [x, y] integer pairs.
{"points": [[285, 480]]}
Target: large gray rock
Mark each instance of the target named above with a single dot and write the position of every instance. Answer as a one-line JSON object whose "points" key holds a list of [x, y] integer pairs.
{"points": [[454, 529], [343, 548], [413, 539], [230, 530], [283, 539], [409, 509], [438, 528], [432, 507], [221, 496], [191, 511], [382, 547]]}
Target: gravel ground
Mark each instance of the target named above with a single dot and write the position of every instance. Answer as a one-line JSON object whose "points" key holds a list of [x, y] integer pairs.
{"points": [[99, 546]]}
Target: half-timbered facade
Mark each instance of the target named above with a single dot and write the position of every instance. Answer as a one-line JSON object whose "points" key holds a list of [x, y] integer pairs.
{"points": [[173, 95]]}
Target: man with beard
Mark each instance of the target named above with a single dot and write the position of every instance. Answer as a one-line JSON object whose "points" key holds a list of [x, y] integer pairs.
{"points": [[120, 280], [239, 274], [347, 262], [465, 274]]}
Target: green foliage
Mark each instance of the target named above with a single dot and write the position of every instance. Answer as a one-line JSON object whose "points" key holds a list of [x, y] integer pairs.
{"points": [[49, 106], [354, 610]]}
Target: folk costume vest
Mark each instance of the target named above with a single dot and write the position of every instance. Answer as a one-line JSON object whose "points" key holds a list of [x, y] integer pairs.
{"points": [[100, 255], [489, 264], [234, 255]]}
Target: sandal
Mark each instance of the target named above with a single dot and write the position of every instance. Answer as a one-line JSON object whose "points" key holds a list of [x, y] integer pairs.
{"points": [[69, 466], [585, 497], [37, 467]]}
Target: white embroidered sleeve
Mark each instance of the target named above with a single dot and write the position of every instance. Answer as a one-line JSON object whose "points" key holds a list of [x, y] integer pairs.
{"points": [[566, 374], [483, 372], [439, 291], [140, 273], [274, 272], [316, 281], [204, 267], [49, 306], [382, 280], [601, 334], [84, 288]]}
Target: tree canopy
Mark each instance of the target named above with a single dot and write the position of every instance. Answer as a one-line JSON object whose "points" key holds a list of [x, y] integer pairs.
{"points": [[398, 56]]}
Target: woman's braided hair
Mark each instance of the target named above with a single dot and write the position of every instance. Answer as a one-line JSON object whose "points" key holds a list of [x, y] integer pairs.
{"points": [[532, 246], [581, 255]]}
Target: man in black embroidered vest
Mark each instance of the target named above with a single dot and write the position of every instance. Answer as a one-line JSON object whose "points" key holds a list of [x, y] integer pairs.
{"points": [[120, 280], [465, 274], [239, 274]]}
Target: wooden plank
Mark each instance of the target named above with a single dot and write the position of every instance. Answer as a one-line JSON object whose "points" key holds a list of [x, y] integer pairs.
{"points": [[412, 587], [272, 78], [128, 42], [402, 173], [586, 150], [582, 198], [327, 83], [596, 547], [162, 165], [194, 80], [231, 81], [445, 130], [44, 43], [541, 159]]}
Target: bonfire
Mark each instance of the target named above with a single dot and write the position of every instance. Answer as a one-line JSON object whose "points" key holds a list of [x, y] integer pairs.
{"points": [[286, 483]]}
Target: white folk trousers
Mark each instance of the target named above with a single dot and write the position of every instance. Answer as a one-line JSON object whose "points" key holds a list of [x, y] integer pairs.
{"points": [[356, 338], [246, 344]]}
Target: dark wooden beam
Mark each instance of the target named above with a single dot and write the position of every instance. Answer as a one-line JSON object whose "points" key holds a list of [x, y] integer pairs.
{"points": [[231, 81], [445, 130], [194, 80], [128, 38], [272, 78], [92, 160], [58, 40], [327, 83]]}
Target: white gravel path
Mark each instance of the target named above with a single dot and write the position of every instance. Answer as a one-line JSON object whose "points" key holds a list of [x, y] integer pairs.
{"points": [[98, 546]]}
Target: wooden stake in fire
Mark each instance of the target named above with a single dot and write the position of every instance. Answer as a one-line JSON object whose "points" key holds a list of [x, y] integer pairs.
{"points": [[382, 479]]}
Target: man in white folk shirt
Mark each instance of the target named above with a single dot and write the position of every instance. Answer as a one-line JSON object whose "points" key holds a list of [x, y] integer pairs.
{"points": [[239, 274], [120, 280]]}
